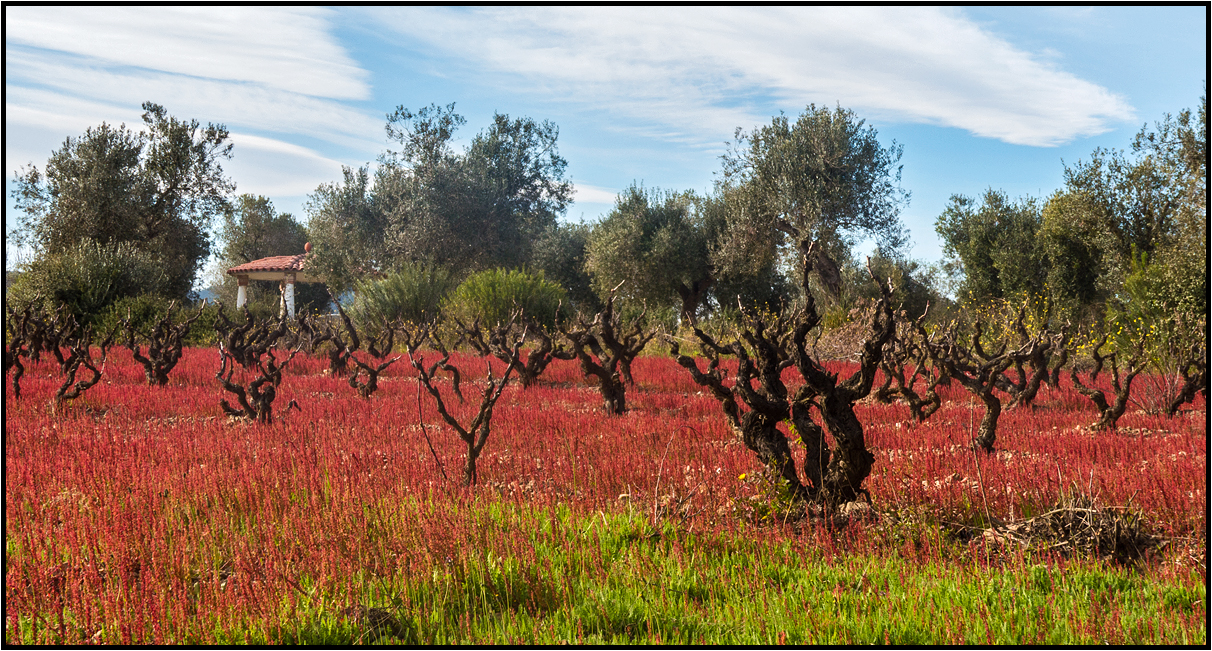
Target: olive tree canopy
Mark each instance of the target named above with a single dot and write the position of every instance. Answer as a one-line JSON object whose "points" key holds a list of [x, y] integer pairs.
{"points": [[655, 244], [159, 189], [477, 209], [823, 178]]}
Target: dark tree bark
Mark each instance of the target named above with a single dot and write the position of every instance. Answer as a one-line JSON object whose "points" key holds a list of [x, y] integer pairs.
{"points": [[256, 401], [834, 476], [1110, 412], [692, 296], [986, 433], [539, 357], [605, 349], [1061, 345], [13, 360], [307, 333], [475, 434], [246, 342], [497, 343], [79, 342], [978, 372], [371, 384], [71, 389], [902, 350], [165, 345], [18, 327], [1194, 370], [1187, 346], [50, 334], [251, 345], [33, 332], [851, 461], [379, 348], [1030, 362], [768, 404]]}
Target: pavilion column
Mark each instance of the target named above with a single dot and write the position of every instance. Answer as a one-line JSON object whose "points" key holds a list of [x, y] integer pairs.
{"points": [[241, 291], [288, 295]]}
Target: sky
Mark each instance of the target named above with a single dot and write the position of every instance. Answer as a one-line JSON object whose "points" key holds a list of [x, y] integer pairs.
{"points": [[979, 97]]}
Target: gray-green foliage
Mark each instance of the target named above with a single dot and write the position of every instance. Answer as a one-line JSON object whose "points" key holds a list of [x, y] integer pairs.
{"points": [[159, 189], [1177, 148], [560, 254], [347, 229], [412, 293], [88, 277], [1081, 252], [1151, 307], [1087, 241], [824, 177], [519, 173], [654, 243], [491, 297], [1142, 195], [476, 209], [996, 241], [746, 271]]}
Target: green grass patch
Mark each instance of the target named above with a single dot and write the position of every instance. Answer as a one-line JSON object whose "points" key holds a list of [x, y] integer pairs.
{"points": [[551, 576]]}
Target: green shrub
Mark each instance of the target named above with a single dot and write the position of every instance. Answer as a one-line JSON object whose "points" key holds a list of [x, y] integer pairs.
{"points": [[89, 278], [202, 332], [146, 310], [413, 292], [492, 296]]}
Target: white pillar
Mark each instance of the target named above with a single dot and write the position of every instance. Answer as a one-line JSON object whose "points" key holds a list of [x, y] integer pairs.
{"points": [[241, 291], [289, 295]]}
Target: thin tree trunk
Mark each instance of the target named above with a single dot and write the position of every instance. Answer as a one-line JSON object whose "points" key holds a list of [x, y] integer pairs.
{"points": [[986, 434]]}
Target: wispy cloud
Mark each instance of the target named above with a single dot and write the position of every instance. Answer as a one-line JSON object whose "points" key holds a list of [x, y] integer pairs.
{"points": [[269, 74], [593, 194], [284, 49], [92, 94], [701, 71], [259, 169]]}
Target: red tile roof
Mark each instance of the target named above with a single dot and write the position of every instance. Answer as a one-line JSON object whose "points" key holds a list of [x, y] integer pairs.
{"points": [[274, 263]]}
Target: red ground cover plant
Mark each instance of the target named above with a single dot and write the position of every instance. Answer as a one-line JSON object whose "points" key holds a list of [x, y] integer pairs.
{"points": [[142, 512]]}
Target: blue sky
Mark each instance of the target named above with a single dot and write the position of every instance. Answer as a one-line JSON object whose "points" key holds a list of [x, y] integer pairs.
{"points": [[979, 97]]}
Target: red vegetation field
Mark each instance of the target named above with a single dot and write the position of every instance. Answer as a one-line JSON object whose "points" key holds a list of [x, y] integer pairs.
{"points": [[117, 505]]}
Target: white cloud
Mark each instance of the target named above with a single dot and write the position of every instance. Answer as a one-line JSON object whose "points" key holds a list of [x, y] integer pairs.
{"points": [[283, 48], [68, 87], [261, 165], [272, 167], [275, 71], [593, 194], [35, 125], [701, 70]]}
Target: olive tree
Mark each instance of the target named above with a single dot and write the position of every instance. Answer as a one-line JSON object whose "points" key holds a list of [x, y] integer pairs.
{"points": [[656, 246], [805, 188], [823, 178], [467, 210], [763, 348], [160, 188]]}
